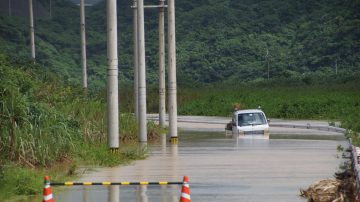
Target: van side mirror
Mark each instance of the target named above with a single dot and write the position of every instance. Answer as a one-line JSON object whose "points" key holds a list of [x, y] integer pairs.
{"points": [[268, 120]]}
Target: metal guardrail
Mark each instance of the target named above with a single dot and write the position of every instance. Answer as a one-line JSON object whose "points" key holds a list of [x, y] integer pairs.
{"points": [[282, 125], [190, 121], [309, 126]]}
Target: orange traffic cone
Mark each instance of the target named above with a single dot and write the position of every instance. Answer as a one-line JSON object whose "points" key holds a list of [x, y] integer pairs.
{"points": [[185, 191], [48, 197]]}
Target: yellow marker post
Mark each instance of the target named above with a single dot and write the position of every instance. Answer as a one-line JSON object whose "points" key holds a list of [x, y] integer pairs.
{"points": [[174, 140]]}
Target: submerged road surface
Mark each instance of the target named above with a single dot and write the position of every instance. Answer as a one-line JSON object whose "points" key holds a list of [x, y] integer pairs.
{"points": [[219, 169]]}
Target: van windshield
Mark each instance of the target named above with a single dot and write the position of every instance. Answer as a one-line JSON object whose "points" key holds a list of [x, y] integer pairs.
{"points": [[251, 119]]}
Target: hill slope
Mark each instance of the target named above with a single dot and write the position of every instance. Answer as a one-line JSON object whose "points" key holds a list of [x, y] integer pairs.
{"points": [[217, 40]]}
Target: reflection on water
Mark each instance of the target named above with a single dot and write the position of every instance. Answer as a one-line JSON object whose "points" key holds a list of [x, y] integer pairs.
{"points": [[175, 174], [250, 140], [163, 196], [114, 193], [220, 169], [174, 160], [144, 193], [142, 196], [86, 195], [163, 144]]}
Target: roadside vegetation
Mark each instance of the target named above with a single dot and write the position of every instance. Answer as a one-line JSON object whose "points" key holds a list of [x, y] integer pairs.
{"points": [[330, 97], [337, 102], [45, 125], [334, 102], [335, 98]]}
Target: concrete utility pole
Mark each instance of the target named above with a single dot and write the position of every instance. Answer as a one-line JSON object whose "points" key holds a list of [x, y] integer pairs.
{"points": [[112, 77], [83, 44], [142, 76], [162, 107], [9, 7], [172, 107], [32, 34], [336, 66], [50, 8], [268, 63], [136, 62]]}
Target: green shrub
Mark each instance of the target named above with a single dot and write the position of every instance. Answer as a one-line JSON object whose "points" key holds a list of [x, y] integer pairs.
{"points": [[44, 122], [19, 181]]}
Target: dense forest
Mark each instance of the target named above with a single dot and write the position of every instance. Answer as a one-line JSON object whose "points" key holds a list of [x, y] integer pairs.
{"points": [[217, 40]]}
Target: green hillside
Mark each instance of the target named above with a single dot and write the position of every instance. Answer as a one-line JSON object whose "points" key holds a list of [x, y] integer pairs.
{"points": [[217, 40]]}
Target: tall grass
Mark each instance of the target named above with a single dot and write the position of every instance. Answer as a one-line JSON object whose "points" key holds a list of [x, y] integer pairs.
{"points": [[336, 98], [332, 102], [313, 102], [44, 123]]}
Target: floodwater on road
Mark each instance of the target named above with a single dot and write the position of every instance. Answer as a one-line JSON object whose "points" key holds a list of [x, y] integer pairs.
{"points": [[219, 169]]}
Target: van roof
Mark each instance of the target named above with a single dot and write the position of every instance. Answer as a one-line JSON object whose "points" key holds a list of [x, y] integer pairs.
{"points": [[248, 111]]}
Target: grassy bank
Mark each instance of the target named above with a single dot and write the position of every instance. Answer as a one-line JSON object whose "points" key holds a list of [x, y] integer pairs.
{"points": [[305, 102], [46, 124], [19, 181], [334, 102], [317, 97]]}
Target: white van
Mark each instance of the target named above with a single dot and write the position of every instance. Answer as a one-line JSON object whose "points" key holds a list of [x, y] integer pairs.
{"points": [[250, 122]]}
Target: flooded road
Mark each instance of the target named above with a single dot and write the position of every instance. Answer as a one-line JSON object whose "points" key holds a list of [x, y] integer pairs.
{"points": [[219, 169]]}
